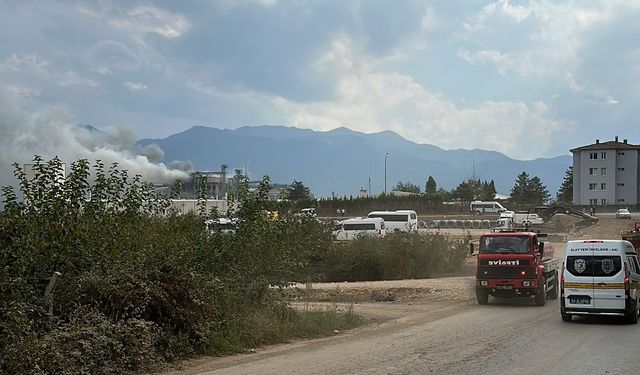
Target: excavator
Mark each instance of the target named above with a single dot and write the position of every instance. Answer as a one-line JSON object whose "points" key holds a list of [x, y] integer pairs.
{"points": [[546, 212]]}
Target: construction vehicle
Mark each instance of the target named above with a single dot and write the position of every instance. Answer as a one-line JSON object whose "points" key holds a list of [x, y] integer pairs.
{"points": [[633, 235], [514, 263], [546, 212]]}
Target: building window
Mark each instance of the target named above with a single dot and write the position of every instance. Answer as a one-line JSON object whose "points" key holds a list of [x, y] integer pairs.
{"points": [[603, 202], [592, 186], [620, 169], [620, 183], [603, 171], [603, 155], [593, 155], [621, 153], [620, 199], [593, 202], [593, 171], [603, 186]]}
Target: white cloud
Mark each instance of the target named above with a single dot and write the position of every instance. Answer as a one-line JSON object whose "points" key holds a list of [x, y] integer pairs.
{"points": [[504, 62], [33, 64], [21, 92], [135, 86], [591, 93], [541, 37], [371, 101], [141, 20], [54, 132], [107, 56], [23, 63]]}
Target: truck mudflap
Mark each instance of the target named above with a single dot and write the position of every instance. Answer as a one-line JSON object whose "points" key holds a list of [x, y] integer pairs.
{"points": [[551, 265]]}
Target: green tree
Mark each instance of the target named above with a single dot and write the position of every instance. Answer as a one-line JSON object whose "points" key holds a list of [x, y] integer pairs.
{"points": [[539, 193], [430, 187], [488, 191], [407, 187], [297, 191], [431, 191], [521, 189], [565, 193], [529, 190], [466, 190]]}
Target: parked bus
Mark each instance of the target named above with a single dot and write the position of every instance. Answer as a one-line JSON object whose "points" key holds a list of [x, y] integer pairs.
{"points": [[399, 220]]}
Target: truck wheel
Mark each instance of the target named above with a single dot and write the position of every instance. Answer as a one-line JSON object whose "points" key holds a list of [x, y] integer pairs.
{"points": [[565, 317], [541, 294], [553, 294], [632, 312], [482, 296]]}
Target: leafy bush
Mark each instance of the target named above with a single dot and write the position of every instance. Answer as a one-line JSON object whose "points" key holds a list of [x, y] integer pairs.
{"points": [[140, 286], [396, 256]]}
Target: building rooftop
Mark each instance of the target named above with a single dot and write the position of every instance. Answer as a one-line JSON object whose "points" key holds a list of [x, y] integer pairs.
{"points": [[609, 145]]}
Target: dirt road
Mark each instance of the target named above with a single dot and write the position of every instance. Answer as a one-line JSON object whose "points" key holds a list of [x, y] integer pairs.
{"points": [[434, 326]]}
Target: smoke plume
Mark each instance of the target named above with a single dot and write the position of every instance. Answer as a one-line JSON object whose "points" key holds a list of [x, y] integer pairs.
{"points": [[55, 133]]}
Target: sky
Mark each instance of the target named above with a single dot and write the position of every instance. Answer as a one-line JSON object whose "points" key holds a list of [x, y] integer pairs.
{"points": [[526, 78]]}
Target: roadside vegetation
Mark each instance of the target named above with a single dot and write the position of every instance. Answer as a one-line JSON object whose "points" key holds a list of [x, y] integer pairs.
{"points": [[139, 286], [395, 257]]}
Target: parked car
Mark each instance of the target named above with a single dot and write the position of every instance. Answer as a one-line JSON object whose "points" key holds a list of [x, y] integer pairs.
{"points": [[224, 225], [623, 213]]}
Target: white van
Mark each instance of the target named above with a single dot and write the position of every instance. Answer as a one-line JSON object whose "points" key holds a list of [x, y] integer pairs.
{"points": [[399, 220], [350, 229], [480, 207], [600, 277], [520, 218]]}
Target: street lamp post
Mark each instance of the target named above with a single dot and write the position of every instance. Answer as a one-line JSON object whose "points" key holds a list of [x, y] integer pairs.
{"points": [[385, 172]]}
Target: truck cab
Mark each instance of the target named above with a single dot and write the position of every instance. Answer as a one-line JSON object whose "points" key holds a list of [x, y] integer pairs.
{"points": [[514, 264]]}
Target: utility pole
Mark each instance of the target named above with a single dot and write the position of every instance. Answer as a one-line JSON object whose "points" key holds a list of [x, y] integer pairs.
{"points": [[369, 191], [385, 172]]}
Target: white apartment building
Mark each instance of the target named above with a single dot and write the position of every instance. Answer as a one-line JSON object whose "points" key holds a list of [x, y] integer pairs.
{"points": [[606, 173]]}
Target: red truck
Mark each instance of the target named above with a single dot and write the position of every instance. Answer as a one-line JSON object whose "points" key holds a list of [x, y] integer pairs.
{"points": [[515, 264]]}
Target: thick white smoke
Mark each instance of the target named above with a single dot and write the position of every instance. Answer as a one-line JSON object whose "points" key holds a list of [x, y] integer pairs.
{"points": [[55, 133]]}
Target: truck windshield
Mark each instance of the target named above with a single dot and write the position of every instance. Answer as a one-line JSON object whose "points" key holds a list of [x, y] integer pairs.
{"points": [[505, 245]]}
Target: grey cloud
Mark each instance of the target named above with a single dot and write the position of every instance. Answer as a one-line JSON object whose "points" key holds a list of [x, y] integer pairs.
{"points": [[108, 55], [54, 133], [273, 49], [153, 152], [181, 165]]}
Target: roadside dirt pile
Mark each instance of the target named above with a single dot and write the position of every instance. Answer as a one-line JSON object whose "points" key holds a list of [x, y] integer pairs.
{"points": [[399, 291]]}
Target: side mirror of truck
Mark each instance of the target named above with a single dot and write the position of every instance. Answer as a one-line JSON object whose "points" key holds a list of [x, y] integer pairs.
{"points": [[471, 249], [541, 248]]}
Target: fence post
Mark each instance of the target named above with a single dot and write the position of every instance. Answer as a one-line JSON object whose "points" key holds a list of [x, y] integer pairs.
{"points": [[49, 291]]}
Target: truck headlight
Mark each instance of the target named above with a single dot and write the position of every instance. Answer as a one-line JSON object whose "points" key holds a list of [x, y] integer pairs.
{"points": [[526, 283], [484, 282]]}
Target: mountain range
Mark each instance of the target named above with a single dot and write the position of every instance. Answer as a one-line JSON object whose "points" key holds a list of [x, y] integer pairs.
{"points": [[341, 161]]}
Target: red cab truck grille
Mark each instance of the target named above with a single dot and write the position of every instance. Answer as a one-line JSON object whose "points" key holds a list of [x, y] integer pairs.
{"points": [[506, 273]]}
